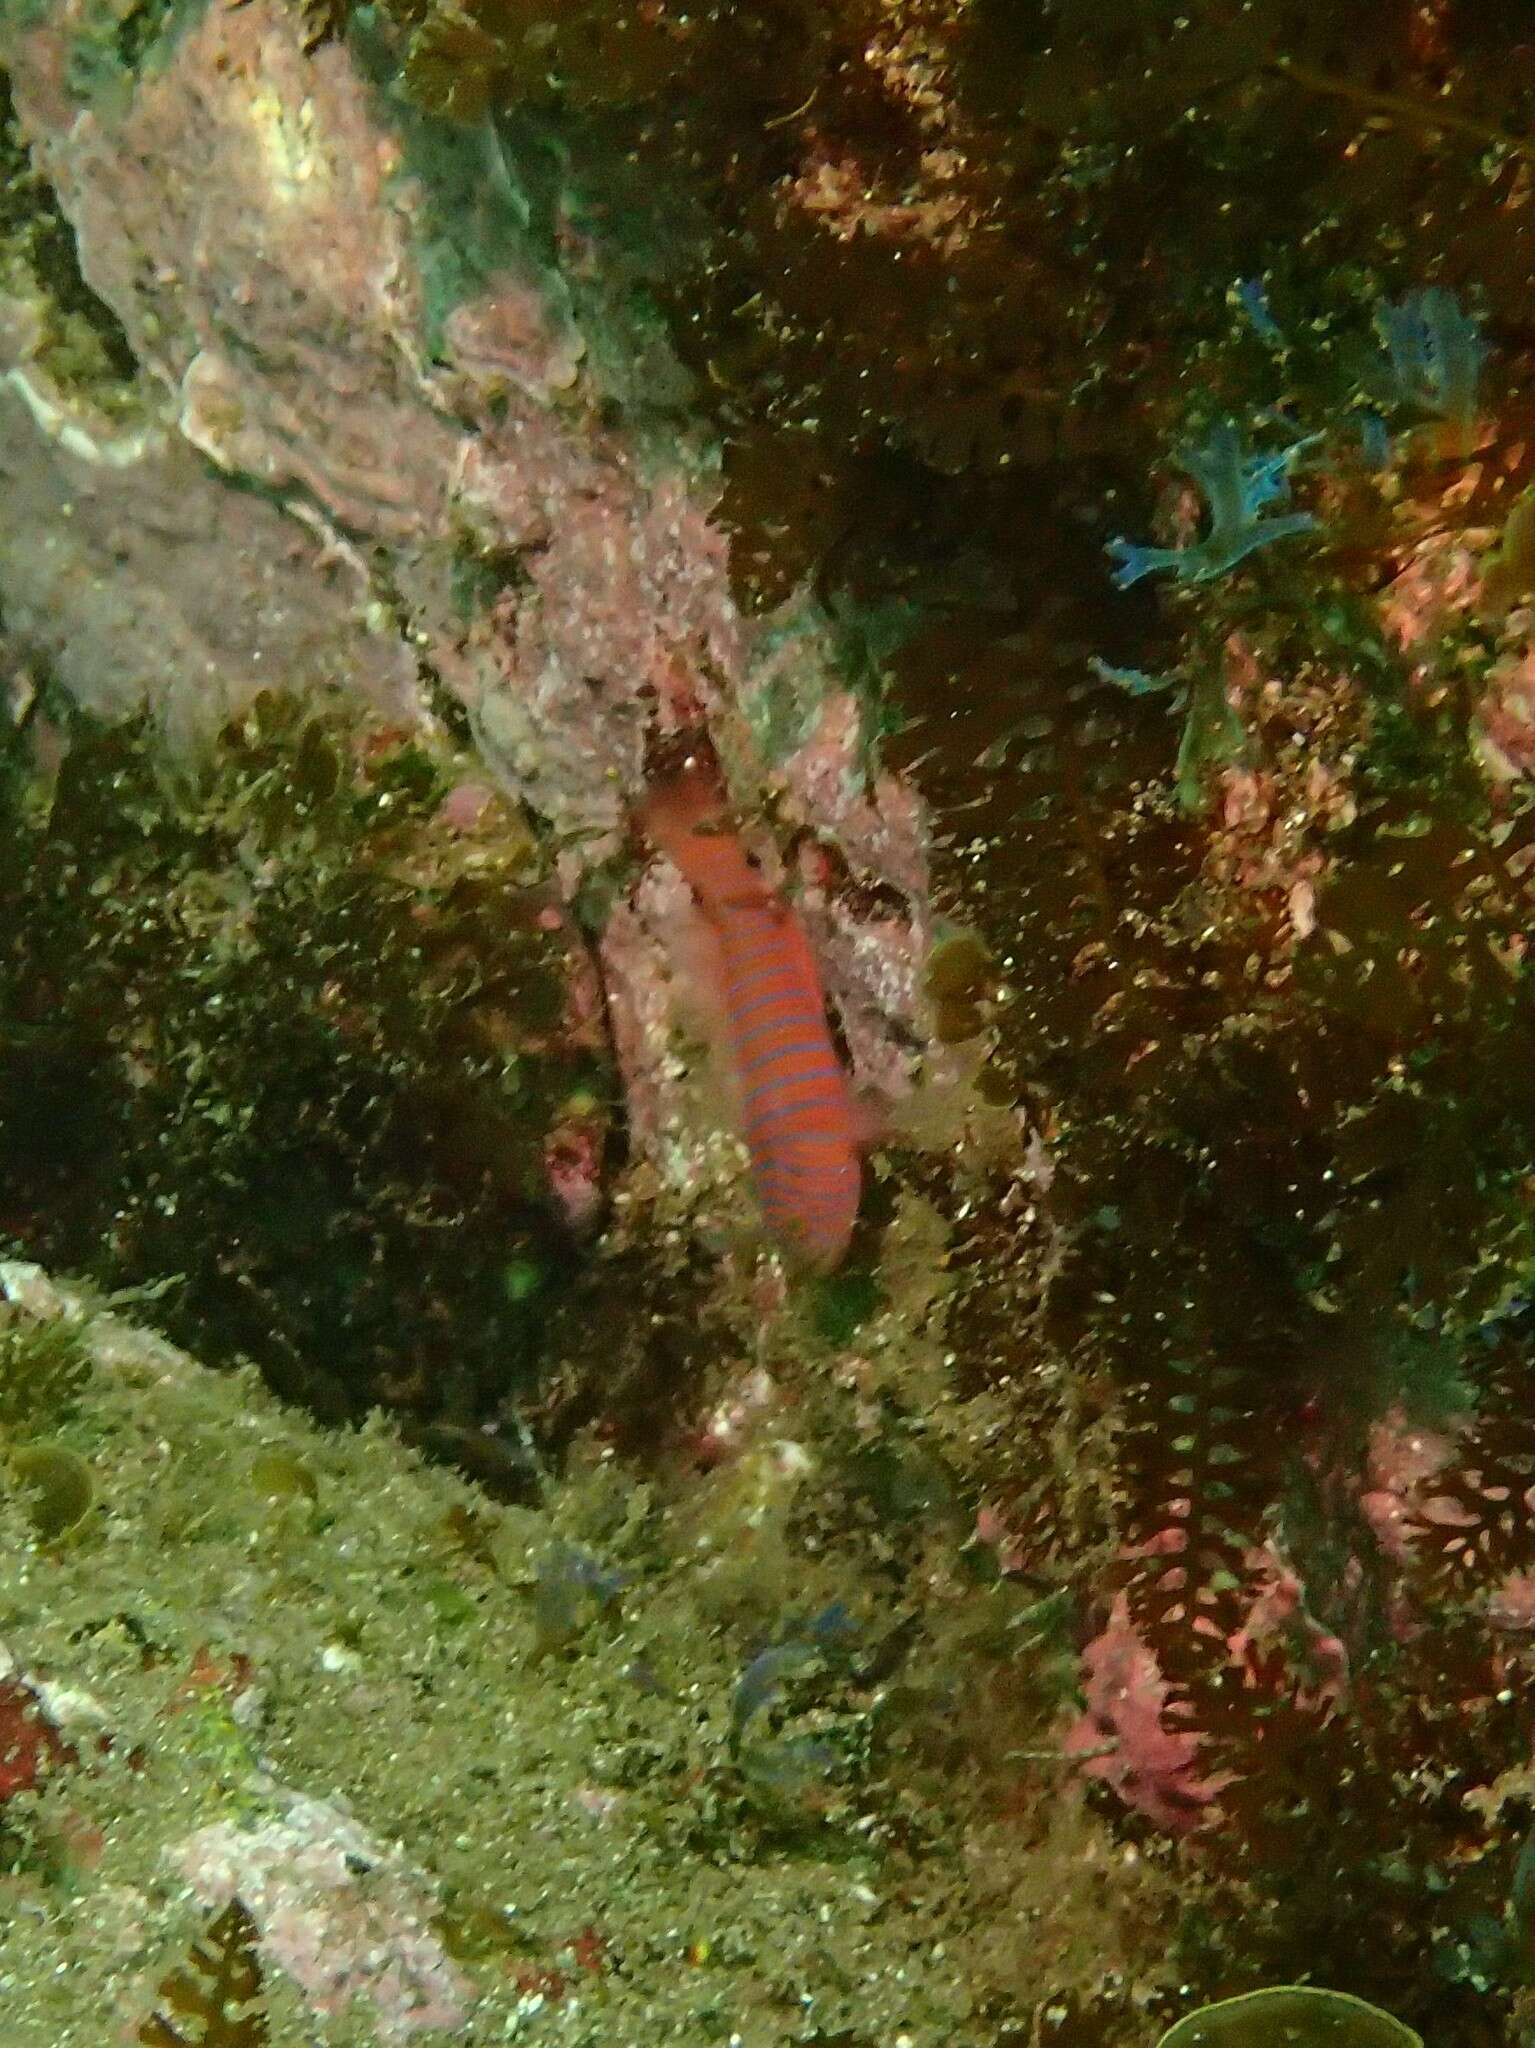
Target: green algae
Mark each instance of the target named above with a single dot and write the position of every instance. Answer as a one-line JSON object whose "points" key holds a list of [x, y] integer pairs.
{"points": [[56, 1484], [1511, 574], [43, 1368], [495, 196], [278, 1477], [1291, 2016], [586, 1829], [959, 967], [273, 1036], [115, 41]]}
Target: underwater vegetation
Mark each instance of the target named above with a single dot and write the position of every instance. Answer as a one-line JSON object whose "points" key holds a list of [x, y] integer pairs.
{"points": [[922, 261], [285, 1048], [1276, 1002], [1291, 2014], [209, 2001], [1168, 1429], [41, 1372], [1436, 352], [602, 1812], [1237, 487]]}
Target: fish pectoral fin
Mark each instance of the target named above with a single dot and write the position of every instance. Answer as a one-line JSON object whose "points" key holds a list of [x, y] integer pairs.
{"points": [[871, 1120]]}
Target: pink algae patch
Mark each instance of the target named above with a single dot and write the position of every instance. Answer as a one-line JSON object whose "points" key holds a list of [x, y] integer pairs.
{"points": [[29, 1742], [1129, 1737], [1403, 1460]]}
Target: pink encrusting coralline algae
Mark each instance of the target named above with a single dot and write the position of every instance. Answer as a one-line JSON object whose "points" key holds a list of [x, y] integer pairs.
{"points": [[1142, 1737], [1133, 1735], [336, 1911]]}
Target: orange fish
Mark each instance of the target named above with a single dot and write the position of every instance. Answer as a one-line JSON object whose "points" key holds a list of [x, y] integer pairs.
{"points": [[797, 1111]]}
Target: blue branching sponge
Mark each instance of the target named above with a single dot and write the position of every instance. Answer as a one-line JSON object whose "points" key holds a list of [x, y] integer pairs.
{"points": [[1436, 353], [1237, 486]]}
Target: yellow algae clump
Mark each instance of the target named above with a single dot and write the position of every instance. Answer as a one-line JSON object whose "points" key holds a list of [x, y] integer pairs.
{"points": [[57, 1485]]}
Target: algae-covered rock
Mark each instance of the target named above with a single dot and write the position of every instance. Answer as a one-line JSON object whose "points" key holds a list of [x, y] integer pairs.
{"points": [[437, 1824], [1291, 2016]]}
